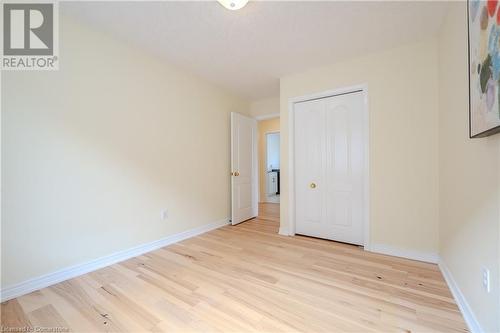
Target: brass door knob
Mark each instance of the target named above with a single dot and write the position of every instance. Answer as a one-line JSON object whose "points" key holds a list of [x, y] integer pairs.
{"points": [[312, 185], [236, 173]]}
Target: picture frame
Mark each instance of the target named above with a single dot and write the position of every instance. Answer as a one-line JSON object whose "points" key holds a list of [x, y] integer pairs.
{"points": [[483, 51]]}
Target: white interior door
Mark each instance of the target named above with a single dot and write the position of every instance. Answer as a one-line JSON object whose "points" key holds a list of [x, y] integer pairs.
{"points": [[329, 167], [243, 168]]}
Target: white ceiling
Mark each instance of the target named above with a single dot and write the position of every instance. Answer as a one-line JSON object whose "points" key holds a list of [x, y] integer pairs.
{"points": [[247, 51]]}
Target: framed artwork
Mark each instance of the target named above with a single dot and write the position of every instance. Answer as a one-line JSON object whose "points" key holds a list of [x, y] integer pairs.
{"points": [[483, 21]]}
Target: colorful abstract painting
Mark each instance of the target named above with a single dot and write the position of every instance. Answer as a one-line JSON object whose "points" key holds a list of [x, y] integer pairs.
{"points": [[484, 67]]}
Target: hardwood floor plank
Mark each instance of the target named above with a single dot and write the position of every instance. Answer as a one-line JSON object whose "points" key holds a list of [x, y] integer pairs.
{"points": [[13, 315], [47, 316], [247, 278]]}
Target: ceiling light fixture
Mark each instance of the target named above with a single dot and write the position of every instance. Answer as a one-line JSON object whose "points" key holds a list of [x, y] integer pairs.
{"points": [[233, 4]]}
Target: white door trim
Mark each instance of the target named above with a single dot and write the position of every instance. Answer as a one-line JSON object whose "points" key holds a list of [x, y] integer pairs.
{"points": [[268, 116], [291, 161]]}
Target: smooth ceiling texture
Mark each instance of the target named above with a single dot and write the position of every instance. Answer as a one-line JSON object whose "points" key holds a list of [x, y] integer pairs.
{"points": [[247, 51]]}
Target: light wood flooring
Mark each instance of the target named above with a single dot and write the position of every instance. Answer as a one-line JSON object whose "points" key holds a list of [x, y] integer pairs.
{"points": [[247, 278]]}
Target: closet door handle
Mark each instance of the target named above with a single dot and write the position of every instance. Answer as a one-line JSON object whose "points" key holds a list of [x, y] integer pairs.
{"points": [[312, 185], [236, 173]]}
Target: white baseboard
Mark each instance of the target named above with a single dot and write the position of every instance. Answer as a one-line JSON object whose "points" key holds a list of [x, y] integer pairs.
{"points": [[43, 281], [283, 231], [470, 318], [404, 253]]}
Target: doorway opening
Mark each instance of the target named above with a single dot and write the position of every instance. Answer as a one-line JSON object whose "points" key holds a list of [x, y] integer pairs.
{"points": [[255, 169], [269, 169]]}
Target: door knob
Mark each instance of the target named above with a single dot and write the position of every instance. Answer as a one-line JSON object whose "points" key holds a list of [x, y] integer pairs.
{"points": [[232, 173], [312, 185], [236, 173]]}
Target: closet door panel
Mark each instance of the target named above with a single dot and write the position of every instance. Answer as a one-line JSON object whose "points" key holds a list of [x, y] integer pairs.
{"points": [[309, 168], [344, 167]]}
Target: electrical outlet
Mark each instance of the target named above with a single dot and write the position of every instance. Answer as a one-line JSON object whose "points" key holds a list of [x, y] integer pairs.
{"points": [[486, 279], [164, 214]]}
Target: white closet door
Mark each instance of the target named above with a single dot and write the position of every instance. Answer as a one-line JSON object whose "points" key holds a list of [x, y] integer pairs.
{"points": [[345, 167], [329, 168], [309, 168]]}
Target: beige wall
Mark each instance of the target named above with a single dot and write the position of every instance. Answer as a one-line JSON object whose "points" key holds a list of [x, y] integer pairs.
{"points": [[469, 181], [402, 91], [265, 126], [93, 152], [265, 107]]}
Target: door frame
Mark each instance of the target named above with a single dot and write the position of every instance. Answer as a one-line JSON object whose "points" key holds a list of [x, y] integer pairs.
{"points": [[363, 88], [265, 159], [265, 145], [267, 116]]}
